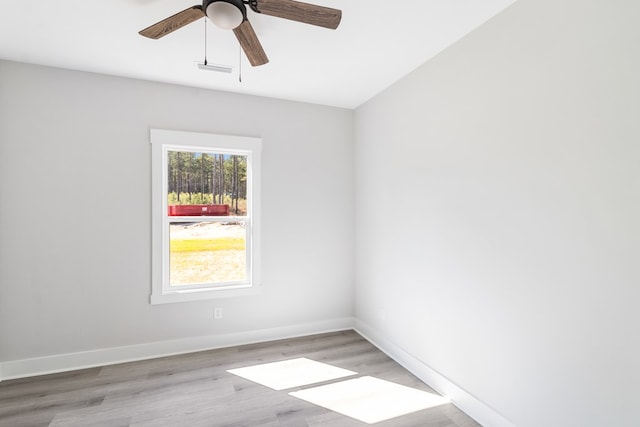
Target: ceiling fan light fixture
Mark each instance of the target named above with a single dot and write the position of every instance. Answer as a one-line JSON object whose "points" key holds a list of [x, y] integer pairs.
{"points": [[226, 14]]}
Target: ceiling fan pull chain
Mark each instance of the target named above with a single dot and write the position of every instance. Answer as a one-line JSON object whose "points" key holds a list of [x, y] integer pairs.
{"points": [[239, 63], [205, 42]]}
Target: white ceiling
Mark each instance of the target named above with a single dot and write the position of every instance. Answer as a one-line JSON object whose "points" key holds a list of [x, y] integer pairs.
{"points": [[377, 43]]}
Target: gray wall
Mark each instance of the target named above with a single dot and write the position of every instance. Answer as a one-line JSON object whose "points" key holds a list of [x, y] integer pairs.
{"points": [[75, 184], [497, 213]]}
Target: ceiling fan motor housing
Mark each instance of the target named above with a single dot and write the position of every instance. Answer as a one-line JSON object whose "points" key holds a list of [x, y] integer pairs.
{"points": [[226, 14]]}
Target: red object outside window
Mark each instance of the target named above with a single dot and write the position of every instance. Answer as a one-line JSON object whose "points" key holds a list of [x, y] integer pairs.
{"points": [[199, 210]]}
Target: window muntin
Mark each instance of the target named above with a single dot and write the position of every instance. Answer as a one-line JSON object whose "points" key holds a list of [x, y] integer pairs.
{"points": [[205, 215]]}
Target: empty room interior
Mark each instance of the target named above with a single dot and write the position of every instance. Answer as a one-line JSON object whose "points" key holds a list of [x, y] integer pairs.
{"points": [[441, 196]]}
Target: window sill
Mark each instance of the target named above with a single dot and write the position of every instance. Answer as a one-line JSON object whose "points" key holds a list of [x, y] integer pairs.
{"points": [[200, 295]]}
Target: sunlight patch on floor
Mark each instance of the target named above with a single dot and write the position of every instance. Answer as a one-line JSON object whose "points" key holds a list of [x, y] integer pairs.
{"points": [[367, 399], [370, 399], [291, 373]]}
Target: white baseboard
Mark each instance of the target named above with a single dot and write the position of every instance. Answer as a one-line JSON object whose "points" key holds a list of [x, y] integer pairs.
{"points": [[467, 403], [110, 356]]}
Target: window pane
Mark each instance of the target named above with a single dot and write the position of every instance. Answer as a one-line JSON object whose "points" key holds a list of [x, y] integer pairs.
{"points": [[206, 184], [207, 252]]}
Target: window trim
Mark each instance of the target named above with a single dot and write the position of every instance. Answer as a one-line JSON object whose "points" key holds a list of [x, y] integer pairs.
{"points": [[163, 140]]}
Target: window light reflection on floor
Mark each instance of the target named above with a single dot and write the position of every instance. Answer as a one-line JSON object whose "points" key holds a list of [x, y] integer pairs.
{"points": [[366, 399], [291, 373], [370, 399]]}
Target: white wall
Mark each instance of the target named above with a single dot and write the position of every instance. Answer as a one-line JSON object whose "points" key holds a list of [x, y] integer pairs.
{"points": [[497, 213], [75, 185]]}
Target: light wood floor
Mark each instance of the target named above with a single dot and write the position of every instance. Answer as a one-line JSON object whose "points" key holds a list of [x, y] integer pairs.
{"points": [[195, 390]]}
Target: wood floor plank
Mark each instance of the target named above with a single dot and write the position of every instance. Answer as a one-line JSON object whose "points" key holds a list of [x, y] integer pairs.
{"points": [[196, 390]]}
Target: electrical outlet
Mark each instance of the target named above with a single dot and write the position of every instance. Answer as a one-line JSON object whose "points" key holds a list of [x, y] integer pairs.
{"points": [[217, 313]]}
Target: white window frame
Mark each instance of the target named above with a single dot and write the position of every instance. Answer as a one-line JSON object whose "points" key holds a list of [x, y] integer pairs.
{"points": [[163, 141]]}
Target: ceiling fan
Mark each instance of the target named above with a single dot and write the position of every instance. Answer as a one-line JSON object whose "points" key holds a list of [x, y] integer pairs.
{"points": [[232, 15]]}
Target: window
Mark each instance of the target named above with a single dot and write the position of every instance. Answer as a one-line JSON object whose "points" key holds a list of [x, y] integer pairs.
{"points": [[205, 216]]}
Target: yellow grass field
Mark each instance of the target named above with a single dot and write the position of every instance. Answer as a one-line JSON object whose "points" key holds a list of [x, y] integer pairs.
{"points": [[207, 253]]}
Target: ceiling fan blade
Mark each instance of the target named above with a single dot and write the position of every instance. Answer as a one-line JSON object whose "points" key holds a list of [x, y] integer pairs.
{"points": [[172, 23], [250, 44], [301, 12]]}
